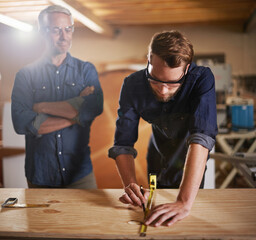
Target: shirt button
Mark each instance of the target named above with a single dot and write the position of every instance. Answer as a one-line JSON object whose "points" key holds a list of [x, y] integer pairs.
{"points": [[44, 87], [73, 84], [57, 72], [63, 169], [58, 87], [59, 153], [58, 135]]}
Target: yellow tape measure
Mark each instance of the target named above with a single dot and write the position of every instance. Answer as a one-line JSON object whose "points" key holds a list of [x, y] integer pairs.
{"points": [[152, 186], [12, 203]]}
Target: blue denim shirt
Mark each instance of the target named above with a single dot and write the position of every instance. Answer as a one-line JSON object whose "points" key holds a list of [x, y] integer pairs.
{"points": [[189, 117], [61, 157]]}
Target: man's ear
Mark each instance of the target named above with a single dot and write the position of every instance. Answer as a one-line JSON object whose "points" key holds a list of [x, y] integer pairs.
{"points": [[149, 57], [187, 69]]}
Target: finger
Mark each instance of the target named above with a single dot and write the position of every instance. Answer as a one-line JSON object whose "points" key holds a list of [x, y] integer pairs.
{"points": [[146, 194], [154, 215], [136, 201], [134, 192], [177, 218], [87, 91], [92, 89], [173, 220], [164, 217], [125, 199], [137, 190]]}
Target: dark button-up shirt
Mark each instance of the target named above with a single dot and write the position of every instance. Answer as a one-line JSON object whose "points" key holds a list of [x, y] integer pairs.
{"points": [[189, 117], [61, 157]]}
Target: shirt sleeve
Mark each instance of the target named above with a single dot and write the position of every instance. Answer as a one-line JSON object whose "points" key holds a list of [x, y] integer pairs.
{"points": [[202, 139], [76, 102], [92, 105], [22, 105], [203, 124], [39, 119], [126, 133], [117, 150]]}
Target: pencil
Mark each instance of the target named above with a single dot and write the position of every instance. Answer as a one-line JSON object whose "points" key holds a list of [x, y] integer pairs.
{"points": [[142, 192]]}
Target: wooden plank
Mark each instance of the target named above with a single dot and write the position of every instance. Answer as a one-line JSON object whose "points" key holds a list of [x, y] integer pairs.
{"points": [[87, 214]]}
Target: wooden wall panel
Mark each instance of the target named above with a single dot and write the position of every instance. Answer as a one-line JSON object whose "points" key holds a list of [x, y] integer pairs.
{"points": [[103, 130]]}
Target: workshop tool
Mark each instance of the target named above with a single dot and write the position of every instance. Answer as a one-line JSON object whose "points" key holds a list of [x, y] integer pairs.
{"points": [[142, 192], [152, 187], [12, 203]]}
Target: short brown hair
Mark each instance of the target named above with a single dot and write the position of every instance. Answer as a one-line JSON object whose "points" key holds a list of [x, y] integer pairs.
{"points": [[173, 47]]}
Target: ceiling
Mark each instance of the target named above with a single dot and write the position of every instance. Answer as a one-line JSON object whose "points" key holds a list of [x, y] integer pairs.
{"points": [[119, 13]]}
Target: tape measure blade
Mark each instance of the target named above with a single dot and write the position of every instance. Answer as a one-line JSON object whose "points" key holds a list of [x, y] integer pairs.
{"points": [[20, 205]]}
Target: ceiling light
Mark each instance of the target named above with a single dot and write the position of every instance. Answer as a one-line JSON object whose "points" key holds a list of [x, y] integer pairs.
{"points": [[15, 23], [80, 17]]}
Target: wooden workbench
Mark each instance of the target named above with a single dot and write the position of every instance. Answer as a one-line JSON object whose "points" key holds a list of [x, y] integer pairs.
{"points": [[97, 214]]}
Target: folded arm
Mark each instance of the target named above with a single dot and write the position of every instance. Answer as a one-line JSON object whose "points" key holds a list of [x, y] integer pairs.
{"points": [[52, 124], [65, 109]]}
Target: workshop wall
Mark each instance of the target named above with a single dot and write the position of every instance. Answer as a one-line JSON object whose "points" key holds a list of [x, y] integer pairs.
{"points": [[129, 45], [18, 49]]}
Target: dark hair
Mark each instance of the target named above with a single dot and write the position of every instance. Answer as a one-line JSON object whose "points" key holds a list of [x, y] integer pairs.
{"points": [[173, 47]]}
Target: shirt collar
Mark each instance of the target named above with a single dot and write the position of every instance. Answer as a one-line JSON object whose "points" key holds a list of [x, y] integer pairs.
{"points": [[67, 61]]}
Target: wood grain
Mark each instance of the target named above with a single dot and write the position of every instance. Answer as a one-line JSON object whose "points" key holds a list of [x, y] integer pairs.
{"points": [[118, 13], [87, 214], [103, 131]]}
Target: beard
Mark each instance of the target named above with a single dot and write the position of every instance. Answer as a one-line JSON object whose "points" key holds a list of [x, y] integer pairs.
{"points": [[165, 98]]}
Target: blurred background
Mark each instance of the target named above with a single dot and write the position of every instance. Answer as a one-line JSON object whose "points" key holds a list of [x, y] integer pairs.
{"points": [[114, 36]]}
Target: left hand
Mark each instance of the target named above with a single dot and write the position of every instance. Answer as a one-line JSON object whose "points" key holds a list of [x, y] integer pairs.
{"points": [[167, 214], [87, 91]]}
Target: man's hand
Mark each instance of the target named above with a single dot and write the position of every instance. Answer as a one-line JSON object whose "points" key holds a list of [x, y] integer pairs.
{"points": [[134, 196], [167, 214], [87, 91]]}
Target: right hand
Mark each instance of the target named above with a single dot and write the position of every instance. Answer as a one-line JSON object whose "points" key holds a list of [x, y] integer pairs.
{"points": [[87, 91], [134, 196]]}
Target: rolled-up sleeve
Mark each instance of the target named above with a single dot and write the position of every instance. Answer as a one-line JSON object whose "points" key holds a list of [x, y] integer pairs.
{"points": [[92, 105], [202, 139], [126, 133], [117, 150], [203, 123], [22, 105]]}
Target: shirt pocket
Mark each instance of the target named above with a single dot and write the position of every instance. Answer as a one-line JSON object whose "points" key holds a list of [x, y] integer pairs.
{"points": [[73, 88], [42, 92]]}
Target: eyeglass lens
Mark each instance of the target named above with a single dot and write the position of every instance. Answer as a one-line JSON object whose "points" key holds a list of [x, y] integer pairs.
{"points": [[156, 81], [58, 30]]}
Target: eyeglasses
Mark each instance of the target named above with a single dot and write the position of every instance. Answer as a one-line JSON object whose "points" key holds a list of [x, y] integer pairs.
{"points": [[167, 84], [58, 30]]}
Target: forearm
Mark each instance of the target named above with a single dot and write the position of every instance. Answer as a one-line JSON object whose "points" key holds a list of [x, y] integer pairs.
{"points": [[52, 124], [126, 168], [61, 109], [193, 173]]}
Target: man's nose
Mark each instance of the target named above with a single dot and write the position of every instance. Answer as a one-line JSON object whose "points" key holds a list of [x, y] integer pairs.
{"points": [[163, 89], [62, 33]]}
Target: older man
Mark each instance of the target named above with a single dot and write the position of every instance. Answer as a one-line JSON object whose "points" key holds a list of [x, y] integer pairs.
{"points": [[54, 102]]}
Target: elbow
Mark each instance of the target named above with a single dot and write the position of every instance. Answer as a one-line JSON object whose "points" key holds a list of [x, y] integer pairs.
{"points": [[100, 110], [18, 129]]}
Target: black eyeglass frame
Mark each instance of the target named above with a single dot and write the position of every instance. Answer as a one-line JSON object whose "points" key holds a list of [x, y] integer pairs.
{"points": [[149, 77]]}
